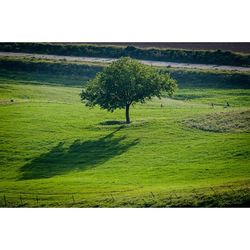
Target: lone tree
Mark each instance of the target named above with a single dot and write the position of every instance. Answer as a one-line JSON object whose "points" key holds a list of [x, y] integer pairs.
{"points": [[125, 82]]}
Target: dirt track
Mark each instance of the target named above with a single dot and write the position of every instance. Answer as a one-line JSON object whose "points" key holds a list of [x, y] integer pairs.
{"points": [[109, 60]]}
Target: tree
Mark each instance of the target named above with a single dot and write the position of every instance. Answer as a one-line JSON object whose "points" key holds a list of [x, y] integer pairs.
{"points": [[124, 83]]}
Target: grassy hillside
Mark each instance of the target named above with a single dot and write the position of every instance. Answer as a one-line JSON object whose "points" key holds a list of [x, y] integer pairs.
{"points": [[172, 55], [76, 73], [56, 152]]}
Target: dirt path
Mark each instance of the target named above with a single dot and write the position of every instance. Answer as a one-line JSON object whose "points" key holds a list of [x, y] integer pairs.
{"points": [[109, 60]]}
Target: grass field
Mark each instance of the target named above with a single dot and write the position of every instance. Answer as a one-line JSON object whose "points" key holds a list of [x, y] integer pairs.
{"points": [[55, 152]]}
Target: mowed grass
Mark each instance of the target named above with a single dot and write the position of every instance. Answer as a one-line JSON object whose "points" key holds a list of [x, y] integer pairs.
{"points": [[57, 152], [235, 121]]}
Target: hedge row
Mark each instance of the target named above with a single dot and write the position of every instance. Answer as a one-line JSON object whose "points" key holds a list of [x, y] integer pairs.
{"points": [[55, 68], [172, 55]]}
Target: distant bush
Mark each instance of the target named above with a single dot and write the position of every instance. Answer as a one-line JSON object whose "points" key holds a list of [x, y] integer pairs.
{"points": [[172, 55]]}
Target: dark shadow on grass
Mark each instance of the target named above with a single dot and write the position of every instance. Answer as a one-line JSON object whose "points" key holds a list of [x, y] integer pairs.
{"points": [[113, 122], [78, 156]]}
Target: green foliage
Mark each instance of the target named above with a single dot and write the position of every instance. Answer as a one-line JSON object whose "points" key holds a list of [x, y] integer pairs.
{"points": [[126, 82], [172, 55]]}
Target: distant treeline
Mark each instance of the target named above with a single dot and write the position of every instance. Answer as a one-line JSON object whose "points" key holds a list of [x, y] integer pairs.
{"points": [[49, 67], [184, 77], [218, 57]]}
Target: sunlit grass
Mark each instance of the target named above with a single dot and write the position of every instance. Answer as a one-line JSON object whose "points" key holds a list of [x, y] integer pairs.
{"points": [[52, 146]]}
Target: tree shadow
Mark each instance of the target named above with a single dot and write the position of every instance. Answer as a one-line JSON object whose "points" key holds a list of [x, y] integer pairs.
{"points": [[78, 156], [113, 122]]}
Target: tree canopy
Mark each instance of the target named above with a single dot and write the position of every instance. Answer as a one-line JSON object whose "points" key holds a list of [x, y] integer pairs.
{"points": [[125, 82]]}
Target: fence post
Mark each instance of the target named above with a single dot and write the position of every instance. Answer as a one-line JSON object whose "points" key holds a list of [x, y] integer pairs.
{"points": [[21, 199], [5, 202], [73, 199]]}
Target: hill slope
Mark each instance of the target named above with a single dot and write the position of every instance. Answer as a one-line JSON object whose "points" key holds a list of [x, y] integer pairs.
{"points": [[56, 152]]}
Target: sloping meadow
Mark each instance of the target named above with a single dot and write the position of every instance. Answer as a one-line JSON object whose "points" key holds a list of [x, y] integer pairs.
{"points": [[189, 150]]}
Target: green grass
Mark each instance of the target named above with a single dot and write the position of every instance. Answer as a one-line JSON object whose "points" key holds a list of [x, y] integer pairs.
{"points": [[236, 121], [57, 152], [217, 97]]}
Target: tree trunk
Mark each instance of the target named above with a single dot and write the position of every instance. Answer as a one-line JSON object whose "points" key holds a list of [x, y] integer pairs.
{"points": [[127, 114]]}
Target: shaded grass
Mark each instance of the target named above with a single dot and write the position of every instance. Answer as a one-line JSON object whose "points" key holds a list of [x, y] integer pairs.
{"points": [[36, 78], [63, 72], [78, 156]]}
